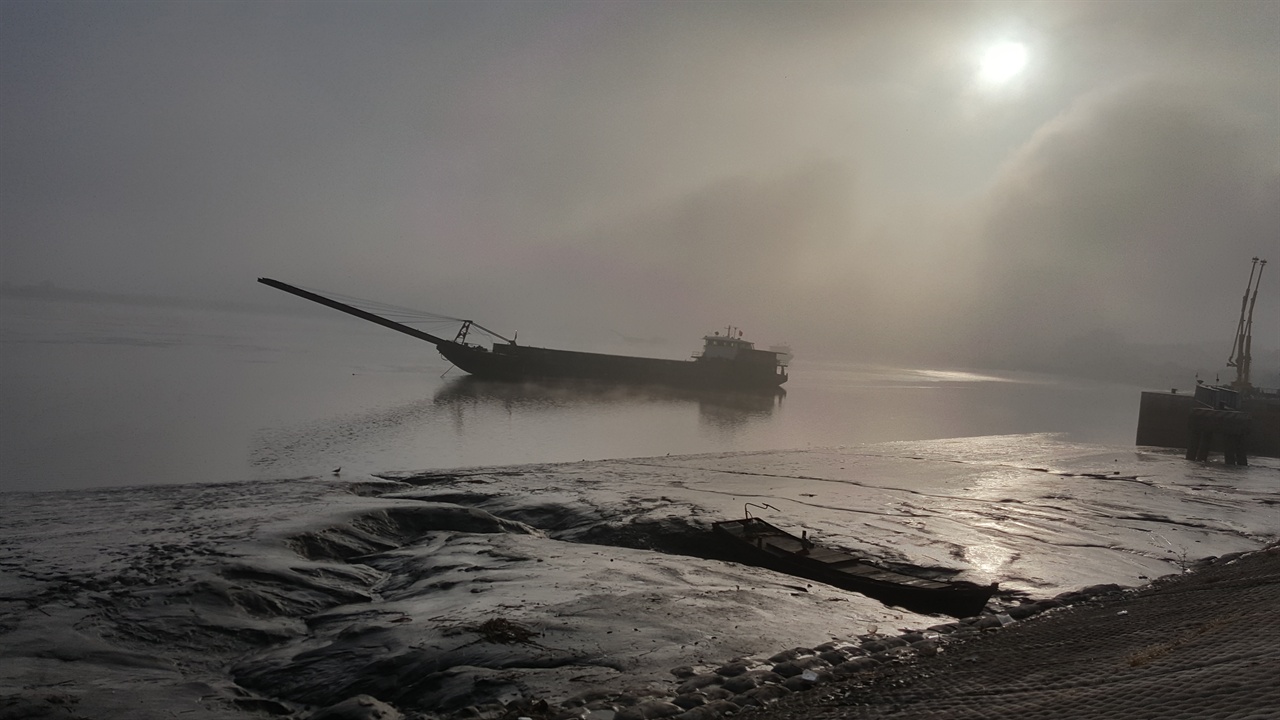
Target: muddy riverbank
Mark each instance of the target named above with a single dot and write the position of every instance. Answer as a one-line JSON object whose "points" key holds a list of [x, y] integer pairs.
{"points": [[575, 588]]}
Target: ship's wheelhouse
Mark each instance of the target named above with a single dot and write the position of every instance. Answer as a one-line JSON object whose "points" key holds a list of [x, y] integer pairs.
{"points": [[724, 347], [731, 348]]}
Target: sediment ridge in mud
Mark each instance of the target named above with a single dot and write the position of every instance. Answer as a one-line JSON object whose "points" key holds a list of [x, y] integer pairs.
{"points": [[578, 586], [583, 595]]}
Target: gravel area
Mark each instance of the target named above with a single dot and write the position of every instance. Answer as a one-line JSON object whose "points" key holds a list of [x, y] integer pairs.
{"points": [[1201, 645]]}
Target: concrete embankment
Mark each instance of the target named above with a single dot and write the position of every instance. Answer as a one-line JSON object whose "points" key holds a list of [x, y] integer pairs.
{"points": [[1201, 645]]}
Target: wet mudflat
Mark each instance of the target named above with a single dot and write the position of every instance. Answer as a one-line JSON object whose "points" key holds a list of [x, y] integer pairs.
{"points": [[436, 592]]}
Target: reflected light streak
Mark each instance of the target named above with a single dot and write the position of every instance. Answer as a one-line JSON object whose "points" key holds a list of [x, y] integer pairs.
{"points": [[961, 376], [988, 557]]}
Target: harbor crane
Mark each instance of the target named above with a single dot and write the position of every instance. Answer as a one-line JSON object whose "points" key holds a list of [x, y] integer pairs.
{"points": [[1241, 348]]}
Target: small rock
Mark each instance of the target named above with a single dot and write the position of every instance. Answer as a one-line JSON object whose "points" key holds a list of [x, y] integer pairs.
{"points": [[900, 653], [791, 654], [797, 684], [741, 684], [834, 656], [751, 679], [710, 711], [787, 669], [762, 695], [487, 711], [854, 666], [627, 699], [699, 682], [360, 707], [925, 648], [799, 665], [1105, 589], [526, 708], [689, 701], [988, 622], [583, 698], [650, 709], [806, 680], [1022, 612], [682, 672], [732, 669]]}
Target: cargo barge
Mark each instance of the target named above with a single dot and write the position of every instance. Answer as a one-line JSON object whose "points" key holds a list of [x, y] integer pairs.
{"points": [[727, 362]]}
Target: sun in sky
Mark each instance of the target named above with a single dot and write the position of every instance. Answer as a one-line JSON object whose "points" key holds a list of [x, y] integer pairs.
{"points": [[1002, 62]]}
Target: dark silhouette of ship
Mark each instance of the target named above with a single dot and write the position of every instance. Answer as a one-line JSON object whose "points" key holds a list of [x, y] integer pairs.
{"points": [[726, 361]]}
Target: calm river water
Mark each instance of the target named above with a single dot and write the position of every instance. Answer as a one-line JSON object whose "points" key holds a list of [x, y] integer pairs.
{"points": [[98, 395]]}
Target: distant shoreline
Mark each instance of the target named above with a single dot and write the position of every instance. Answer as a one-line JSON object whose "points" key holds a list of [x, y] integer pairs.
{"points": [[49, 291]]}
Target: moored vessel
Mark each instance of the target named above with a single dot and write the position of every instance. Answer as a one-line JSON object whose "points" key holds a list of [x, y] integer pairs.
{"points": [[726, 361]]}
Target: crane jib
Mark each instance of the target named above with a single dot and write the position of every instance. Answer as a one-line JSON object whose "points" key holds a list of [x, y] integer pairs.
{"points": [[350, 310]]}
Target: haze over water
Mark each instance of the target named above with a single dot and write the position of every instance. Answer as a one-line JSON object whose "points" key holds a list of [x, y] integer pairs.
{"points": [[907, 193], [99, 395], [1049, 186]]}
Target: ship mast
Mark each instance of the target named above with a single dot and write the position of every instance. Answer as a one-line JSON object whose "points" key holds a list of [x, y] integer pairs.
{"points": [[1242, 347]]}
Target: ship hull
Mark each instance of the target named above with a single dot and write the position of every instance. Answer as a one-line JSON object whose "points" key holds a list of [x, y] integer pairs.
{"points": [[519, 362]]}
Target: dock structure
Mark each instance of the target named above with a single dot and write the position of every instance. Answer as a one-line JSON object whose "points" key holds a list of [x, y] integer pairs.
{"points": [[1178, 420], [1239, 419], [1229, 427]]}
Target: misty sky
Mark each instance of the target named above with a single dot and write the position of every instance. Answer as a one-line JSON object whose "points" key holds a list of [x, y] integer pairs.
{"points": [[849, 177]]}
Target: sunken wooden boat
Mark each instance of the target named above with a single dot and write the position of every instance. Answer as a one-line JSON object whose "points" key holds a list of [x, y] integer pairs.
{"points": [[761, 543]]}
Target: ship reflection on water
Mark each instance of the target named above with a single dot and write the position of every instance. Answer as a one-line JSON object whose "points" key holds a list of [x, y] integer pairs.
{"points": [[725, 410]]}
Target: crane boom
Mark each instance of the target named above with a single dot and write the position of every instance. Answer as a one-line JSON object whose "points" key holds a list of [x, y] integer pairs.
{"points": [[350, 310], [1242, 349]]}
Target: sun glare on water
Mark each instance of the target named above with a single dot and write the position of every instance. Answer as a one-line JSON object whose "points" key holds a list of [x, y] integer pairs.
{"points": [[1002, 63]]}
